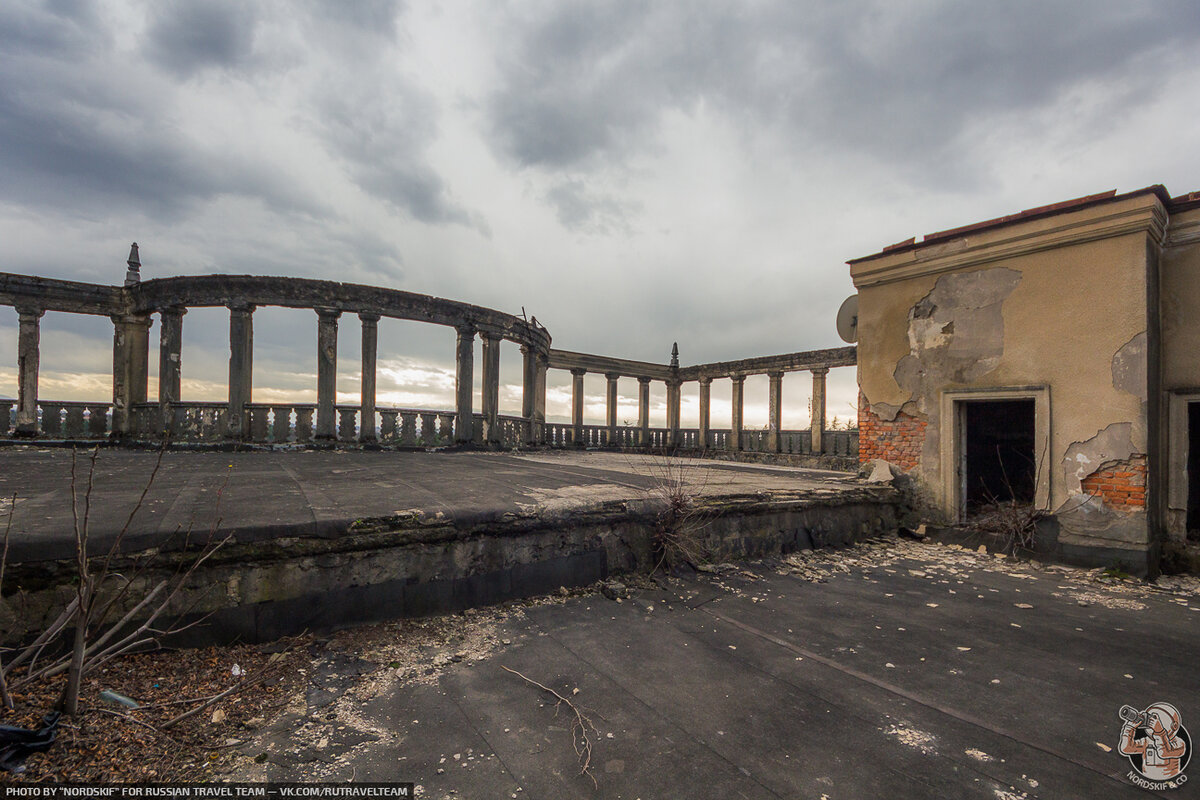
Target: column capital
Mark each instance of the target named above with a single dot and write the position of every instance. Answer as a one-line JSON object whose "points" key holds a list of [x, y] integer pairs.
{"points": [[25, 312], [172, 311], [492, 336], [673, 383], [642, 379], [466, 329], [328, 313], [821, 371], [578, 371], [738, 378], [612, 376], [704, 380], [775, 375], [368, 316], [240, 307], [132, 319]]}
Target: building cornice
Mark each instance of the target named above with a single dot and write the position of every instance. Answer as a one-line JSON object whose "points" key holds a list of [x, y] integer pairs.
{"points": [[1143, 214]]}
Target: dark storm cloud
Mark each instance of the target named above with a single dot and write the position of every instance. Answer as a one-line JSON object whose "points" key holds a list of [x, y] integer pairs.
{"points": [[586, 84], [381, 132], [87, 126], [581, 208], [187, 36]]}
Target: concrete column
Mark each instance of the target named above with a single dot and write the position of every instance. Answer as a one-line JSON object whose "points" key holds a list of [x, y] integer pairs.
{"points": [[370, 347], [491, 388], [28, 360], [673, 401], [774, 411], [817, 426], [170, 355], [610, 406], [542, 363], [735, 422], [464, 376], [528, 389], [241, 367], [131, 369], [577, 405], [644, 411], [327, 330], [705, 411]]}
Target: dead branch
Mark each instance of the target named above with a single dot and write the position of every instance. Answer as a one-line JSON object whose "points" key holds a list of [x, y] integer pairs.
{"points": [[248, 681], [136, 721], [5, 697], [579, 728]]}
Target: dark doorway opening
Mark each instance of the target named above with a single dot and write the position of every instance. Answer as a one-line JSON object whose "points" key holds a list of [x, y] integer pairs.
{"points": [[999, 463], [1193, 472]]}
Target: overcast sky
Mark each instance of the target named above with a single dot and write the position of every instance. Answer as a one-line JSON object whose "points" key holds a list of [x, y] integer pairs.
{"points": [[633, 174]]}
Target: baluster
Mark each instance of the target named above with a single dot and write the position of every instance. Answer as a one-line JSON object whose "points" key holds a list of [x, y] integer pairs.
{"points": [[6, 411], [428, 429], [445, 428], [51, 419], [281, 425], [304, 424], [347, 424], [258, 423], [75, 423], [387, 425], [408, 429], [98, 420]]}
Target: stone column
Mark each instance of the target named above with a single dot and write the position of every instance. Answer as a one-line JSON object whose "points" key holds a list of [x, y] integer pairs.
{"points": [[464, 376], [774, 411], [170, 356], [705, 411], [241, 367], [644, 411], [491, 388], [366, 400], [28, 360], [673, 401], [131, 369], [817, 426], [577, 406], [735, 422], [539, 398], [610, 406], [327, 330], [528, 384]]}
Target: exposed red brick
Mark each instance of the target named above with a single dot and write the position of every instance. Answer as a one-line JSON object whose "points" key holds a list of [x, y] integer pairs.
{"points": [[1120, 484], [899, 441]]}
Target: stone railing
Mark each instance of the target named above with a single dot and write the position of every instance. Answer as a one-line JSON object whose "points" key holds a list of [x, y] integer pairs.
{"points": [[62, 420], [134, 416]]}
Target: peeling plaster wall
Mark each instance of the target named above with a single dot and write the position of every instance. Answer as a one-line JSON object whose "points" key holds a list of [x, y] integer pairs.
{"points": [[1071, 318]]}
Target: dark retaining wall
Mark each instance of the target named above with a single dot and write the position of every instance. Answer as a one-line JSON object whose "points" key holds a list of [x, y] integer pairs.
{"points": [[413, 565]]}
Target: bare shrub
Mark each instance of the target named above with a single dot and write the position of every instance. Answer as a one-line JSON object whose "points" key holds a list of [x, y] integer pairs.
{"points": [[680, 520], [112, 612]]}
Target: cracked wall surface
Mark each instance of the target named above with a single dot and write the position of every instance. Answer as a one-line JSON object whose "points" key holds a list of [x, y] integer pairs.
{"points": [[1066, 323]]}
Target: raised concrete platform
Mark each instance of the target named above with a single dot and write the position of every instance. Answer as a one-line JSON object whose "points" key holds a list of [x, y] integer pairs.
{"points": [[322, 538]]}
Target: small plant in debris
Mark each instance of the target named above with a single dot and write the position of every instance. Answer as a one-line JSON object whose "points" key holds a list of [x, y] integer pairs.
{"points": [[681, 518]]}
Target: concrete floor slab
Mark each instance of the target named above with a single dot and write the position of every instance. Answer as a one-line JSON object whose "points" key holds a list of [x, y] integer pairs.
{"points": [[912, 670]]}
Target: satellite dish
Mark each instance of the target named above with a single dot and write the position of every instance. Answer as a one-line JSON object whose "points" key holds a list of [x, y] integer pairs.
{"points": [[847, 320]]}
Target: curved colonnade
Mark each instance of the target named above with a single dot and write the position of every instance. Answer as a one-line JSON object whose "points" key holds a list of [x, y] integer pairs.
{"points": [[132, 415]]}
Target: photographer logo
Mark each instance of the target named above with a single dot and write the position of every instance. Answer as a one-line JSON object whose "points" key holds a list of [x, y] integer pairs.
{"points": [[1157, 745]]}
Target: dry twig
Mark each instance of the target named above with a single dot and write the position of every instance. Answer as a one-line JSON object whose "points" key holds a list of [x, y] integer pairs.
{"points": [[580, 739]]}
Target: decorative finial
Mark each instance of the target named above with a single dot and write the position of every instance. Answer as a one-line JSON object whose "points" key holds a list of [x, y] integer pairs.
{"points": [[675, 354], [133, 275]]}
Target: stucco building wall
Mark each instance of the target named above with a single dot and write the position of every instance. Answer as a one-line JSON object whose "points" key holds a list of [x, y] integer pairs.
{"points": [[1057, 305]]}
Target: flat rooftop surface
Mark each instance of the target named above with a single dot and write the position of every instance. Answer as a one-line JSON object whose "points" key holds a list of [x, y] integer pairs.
{"points": [[264, 494], [891, 669]]}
